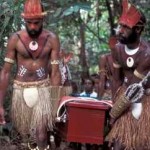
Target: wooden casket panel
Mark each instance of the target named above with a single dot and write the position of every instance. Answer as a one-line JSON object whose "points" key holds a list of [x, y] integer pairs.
{"points": [[85, 122]]}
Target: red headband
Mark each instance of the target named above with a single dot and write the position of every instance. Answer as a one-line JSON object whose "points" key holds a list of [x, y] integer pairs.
{"points": [[33, 9], [130, 14]]}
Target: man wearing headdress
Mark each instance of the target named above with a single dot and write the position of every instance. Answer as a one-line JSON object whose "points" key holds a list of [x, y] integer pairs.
{"points": [[35, 87], [131, 62]]}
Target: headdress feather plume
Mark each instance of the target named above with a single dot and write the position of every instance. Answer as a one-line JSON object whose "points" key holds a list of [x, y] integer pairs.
{"points": [[130, 14]]}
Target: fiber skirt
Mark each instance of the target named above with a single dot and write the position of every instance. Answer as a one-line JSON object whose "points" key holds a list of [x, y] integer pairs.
{"points": [[25, 117], [130, 132]]}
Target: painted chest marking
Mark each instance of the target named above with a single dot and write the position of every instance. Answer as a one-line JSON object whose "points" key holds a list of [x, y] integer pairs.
{"points": [[40, 72], [22, 71]]}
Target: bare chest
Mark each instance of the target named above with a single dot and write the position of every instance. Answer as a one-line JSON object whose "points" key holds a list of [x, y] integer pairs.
{"points": [[130, 60], [33, 48]]}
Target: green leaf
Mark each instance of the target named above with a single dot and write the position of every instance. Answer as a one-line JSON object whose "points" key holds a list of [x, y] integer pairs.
{"points": [[58, 12], [76, 8]]}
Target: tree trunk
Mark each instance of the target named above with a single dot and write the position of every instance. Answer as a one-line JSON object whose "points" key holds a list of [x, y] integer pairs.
{"points": [[83, 59]]}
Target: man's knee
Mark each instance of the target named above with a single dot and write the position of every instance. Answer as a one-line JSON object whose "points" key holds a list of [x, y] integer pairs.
{"points": [[41, 136]]}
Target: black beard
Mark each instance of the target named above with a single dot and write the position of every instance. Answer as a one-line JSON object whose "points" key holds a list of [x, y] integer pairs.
{"points": [[130, 39], [34, 33]]}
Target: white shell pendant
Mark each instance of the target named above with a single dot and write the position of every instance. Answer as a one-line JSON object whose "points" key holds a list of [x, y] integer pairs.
{"points": [[130, 62], [33, 45]]}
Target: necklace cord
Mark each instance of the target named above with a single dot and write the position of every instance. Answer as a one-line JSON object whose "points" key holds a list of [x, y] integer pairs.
{"points": [[29, 50]]}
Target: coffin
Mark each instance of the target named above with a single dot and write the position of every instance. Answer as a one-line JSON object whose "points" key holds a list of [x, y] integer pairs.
{"points": [[85, 122]]}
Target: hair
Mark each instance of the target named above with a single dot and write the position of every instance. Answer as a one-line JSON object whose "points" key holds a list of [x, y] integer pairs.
{"points": [[42, 7], [88, 78], [95, 76]]}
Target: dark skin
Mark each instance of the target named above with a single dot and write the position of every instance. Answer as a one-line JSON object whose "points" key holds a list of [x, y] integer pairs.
{"points": [[141, 58], [40, 58], [106, 71], [88, 86], [125, 74]]}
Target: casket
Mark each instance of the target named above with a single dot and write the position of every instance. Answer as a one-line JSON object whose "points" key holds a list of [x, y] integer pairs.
{"points": [[85, 122]]}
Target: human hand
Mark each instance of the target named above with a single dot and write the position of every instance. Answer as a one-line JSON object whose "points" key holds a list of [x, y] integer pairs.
{"points": [[2, 120]]}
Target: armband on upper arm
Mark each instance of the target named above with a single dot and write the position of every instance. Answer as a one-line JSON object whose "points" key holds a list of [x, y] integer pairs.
{"points": [[115, 65], [139, 75], [9, 60], [55, 62]]}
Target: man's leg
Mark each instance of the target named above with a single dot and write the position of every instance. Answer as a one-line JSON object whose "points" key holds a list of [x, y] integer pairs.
{"points": [[118, 146], [42, 137]]}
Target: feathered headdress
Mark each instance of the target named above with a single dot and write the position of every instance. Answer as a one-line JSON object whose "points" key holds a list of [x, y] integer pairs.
{"points": [[33, 9], [130, 14]]}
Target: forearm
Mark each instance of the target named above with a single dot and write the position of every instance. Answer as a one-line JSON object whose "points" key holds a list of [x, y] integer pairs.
{"points": [[3, 90], [1, 98], [119, 107], [115, 84], [3, 86], [117, 80], [56, 79], [101, 88]]}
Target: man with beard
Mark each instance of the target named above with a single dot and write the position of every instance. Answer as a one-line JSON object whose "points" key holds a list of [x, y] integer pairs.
{"points": [[35, 87], [131, 60]]}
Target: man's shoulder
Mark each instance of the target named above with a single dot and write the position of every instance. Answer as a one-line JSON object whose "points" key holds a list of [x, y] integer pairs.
{"points": [[14, 36], [145, 45], [50, 33]]}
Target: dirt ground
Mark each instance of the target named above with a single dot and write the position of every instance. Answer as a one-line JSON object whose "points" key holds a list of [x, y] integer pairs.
{"points": [[8, 145], [63, 146], [12, 141]]}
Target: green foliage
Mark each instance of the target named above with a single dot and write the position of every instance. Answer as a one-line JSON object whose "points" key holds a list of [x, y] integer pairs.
{"points": [[75, 8], [10, 18], [65, 18]]}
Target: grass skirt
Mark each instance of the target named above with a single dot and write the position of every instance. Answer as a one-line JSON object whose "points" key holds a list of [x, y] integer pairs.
{"points": [[56, 95], [67, 90], [130, 132], [26, 119]]}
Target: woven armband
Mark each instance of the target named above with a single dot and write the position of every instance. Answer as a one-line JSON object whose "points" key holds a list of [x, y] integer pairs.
{"points": [[139, 75], [116, 65], [8, 60], [119, 107], [55, 62]]}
